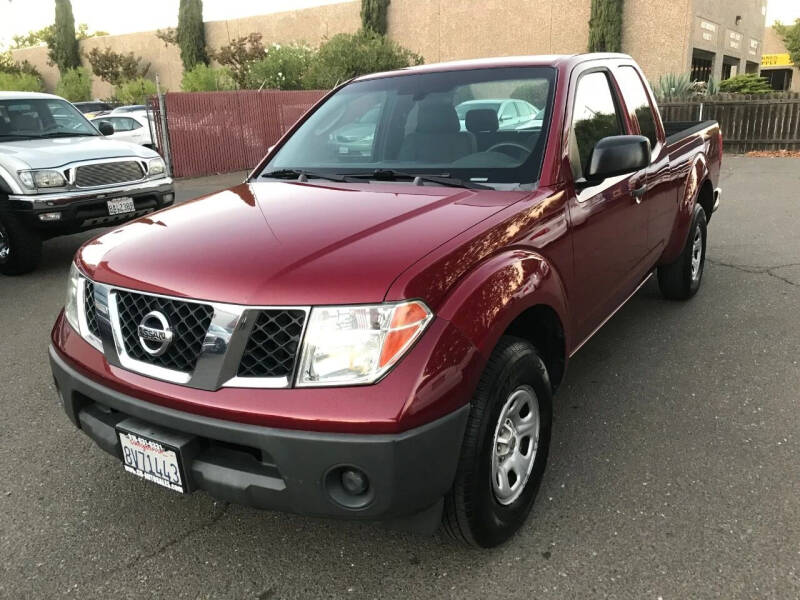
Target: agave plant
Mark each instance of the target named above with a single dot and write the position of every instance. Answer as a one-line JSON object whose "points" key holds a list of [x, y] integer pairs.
{"points": [[672, 86]]}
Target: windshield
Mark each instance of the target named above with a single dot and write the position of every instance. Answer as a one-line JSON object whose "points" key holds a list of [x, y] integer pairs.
{"points": [[479, 125], [41, 118]]}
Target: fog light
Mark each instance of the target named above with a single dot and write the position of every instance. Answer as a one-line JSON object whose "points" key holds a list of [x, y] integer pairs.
{"points": [[51, 216], [354, 482], [168, 198]]}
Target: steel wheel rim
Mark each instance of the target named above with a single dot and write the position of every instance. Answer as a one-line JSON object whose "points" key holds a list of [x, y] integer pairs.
{"points": [[697, 254], [5, 245], [515, 443]]}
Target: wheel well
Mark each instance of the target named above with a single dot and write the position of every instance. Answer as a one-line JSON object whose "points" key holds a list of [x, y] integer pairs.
{"points": [[541, 326], [706, 198]]}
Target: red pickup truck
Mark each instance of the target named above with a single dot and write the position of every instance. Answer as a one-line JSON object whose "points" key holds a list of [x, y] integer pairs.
{"points": [[374, 323]]}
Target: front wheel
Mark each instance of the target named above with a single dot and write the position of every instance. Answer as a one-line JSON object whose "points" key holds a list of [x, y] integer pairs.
{"points": [[20, 248], [505, 447], [681, 279]]}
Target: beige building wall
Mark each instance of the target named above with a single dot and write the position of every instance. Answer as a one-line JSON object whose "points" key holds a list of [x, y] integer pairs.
{"points": [[656, 33]]}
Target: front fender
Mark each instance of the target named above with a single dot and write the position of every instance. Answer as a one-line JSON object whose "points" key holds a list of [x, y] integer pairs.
{"points": [[497, 291], [696, 176]]}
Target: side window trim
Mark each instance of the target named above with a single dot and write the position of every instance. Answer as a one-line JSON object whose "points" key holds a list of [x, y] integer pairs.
{"points": [[623, 123]]}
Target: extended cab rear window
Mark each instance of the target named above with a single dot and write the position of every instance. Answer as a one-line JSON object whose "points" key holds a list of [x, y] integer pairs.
{"points": [[483, 125]]}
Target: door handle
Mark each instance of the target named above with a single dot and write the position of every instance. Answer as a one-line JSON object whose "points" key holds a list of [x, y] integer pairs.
{"points": [[639, 192]]}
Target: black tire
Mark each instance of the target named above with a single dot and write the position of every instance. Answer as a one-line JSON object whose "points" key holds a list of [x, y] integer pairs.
{"points": [[472, 512], [20, 248], [678, 281]]}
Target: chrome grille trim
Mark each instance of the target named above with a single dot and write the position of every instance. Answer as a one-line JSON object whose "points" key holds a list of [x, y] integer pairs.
{"points": [[102, 174], [218, 362]]}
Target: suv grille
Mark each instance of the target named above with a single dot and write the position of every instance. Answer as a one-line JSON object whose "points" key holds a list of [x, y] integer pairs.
{"points": [[89, 308], [189, 322], [108, 173], [272, 348]]}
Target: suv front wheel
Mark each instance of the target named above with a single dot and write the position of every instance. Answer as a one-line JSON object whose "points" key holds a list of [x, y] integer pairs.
{"points": [[20, 248]]}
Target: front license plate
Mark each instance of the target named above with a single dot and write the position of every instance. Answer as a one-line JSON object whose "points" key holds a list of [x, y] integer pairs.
{"points": [[151, 460], [120, 206]]}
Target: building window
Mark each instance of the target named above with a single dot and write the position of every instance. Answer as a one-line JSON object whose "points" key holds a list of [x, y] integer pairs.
{"points": [[779, 79], [702, 65], [751, 67], [730, 67]]}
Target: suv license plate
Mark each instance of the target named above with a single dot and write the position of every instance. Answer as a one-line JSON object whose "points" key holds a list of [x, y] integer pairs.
{"points": [[120, 206], [151, 460]]}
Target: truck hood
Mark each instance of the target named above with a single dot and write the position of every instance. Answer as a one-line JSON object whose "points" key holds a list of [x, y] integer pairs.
{"points": [[52, 153], [288, 243]]}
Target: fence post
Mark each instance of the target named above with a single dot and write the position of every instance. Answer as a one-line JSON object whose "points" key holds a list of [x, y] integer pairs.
{"points": [[162, 110]]}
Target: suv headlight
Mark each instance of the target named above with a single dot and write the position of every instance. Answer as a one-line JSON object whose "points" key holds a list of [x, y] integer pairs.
{"points": [[347, 345], [71, 304], [44, 178], [156, 167]]}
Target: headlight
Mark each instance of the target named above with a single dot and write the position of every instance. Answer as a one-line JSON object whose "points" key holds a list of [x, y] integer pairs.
{"points": [[71, 304], [346, 345], [42, 179], [155, 167]]}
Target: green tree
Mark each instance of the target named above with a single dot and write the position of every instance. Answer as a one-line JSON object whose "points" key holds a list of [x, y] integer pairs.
{"points": [[75, 85], [239, 55], [348, 55], [282, 68], [191, 35], [605, 26], [116, 67], [203, 78], [374, 15], [791, 37], [64, 51]]}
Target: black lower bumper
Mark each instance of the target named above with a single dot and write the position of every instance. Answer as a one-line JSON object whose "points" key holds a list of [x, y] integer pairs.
{"points": [[288, 470], [88, 212]]}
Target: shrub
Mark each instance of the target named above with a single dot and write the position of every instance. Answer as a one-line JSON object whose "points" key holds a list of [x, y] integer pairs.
{"points": [[135, 91], [115, 67], [746, 83], [282, 68], [75, 85], [347, 55], [673, 86], [20, 82], [239, 56], [203, 78]]}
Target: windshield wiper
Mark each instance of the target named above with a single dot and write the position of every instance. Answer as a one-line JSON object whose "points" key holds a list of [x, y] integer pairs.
{"points": [[54, 134], [441, 178], [301, 175]]}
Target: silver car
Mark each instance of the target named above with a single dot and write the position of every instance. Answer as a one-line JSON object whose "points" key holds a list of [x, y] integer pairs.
{"points": [[59, 174]]}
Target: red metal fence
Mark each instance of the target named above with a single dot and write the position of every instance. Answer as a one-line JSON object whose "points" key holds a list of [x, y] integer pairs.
{"points": [[220, 132]]}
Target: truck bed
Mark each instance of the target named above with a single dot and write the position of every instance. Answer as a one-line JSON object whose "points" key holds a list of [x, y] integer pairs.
{"points": [[676, 130]]}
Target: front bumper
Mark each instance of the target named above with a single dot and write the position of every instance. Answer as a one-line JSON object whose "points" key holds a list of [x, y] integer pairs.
{"points": [[280, 469], [86, 209]]}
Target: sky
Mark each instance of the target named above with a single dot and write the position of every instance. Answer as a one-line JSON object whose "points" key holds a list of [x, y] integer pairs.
{"points": [[120, 16]]}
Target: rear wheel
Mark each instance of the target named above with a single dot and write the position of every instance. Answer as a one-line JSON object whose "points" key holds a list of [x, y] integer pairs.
{"points": [[505, 447], [681, 279], [20, 248]]}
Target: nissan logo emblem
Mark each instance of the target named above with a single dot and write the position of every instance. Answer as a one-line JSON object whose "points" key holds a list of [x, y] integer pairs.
{"points": [[155, 333]]}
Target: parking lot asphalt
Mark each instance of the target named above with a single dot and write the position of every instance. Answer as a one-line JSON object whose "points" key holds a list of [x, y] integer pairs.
{"points": [[674, 470]]}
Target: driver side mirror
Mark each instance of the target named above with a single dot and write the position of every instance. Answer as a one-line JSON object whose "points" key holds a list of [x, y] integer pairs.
{"points": [[617, 155], [105, 128]]}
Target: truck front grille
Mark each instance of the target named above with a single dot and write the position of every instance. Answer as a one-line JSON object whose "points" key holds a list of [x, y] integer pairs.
{"points": [[271, 350], [90, 309], [189, 322], [110, 173]]}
